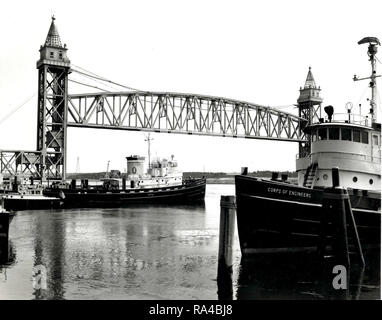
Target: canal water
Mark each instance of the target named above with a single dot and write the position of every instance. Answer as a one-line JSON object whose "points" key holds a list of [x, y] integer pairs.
{"points": [[152, 252]]}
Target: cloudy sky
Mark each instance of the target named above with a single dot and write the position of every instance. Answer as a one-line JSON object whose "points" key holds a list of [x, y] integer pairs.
{"points": [[258, 51]]}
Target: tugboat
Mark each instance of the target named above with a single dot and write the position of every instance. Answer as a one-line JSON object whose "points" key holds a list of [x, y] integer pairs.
{"points": [[277, 216], [162, 183]]}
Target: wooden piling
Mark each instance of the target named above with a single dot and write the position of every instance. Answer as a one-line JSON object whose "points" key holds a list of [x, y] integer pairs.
{"points": [[335, 206], [226, 238], [226, 230]]}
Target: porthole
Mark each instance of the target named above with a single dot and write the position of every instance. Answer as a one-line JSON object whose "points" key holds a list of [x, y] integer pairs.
{"points": [[325, 176], [355, 179], [371, 181]]}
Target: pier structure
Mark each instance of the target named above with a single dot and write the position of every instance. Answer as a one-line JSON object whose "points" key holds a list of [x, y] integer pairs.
{"points": [[135, 111]]}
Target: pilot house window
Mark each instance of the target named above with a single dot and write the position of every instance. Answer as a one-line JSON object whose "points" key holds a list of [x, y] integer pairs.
{"points": [[356, 136], [346, 134], [322, 134], [365, 137], [334, 133], [375, 140]]}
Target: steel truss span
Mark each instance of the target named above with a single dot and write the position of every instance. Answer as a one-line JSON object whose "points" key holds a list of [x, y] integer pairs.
{"points": [[27, 163], [159, 112], [182, 113]]}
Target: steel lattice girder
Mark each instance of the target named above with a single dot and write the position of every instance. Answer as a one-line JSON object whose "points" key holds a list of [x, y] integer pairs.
{"points": [[20, 162], [182, 113], [28, 163], [51, 123]]}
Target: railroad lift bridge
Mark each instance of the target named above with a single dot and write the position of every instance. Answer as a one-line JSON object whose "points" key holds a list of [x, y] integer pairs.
{"points": [[142, 111]]}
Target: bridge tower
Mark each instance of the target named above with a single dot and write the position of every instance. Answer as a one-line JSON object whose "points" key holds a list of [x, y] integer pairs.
{"points": [[309, 108], [53, 70]]}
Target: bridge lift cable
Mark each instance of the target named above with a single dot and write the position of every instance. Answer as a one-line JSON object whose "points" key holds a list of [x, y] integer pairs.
{"points": [[114, 88], [88, 85], [106, 80], [103, 85], [14, 110], [103, 78], [90, 74], [84, 70]]}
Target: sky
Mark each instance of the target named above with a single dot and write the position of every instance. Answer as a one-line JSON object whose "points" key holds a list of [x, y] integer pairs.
{"points": [[256, 51]]}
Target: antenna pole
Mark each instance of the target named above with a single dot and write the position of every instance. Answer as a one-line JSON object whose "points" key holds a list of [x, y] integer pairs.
{"points": [[78, 165], [107, 169], [373, 83], [372, 51], [148, 139]]}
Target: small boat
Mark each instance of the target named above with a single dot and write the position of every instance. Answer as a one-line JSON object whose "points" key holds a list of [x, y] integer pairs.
{"points": [[162, 183], [29, 197], [278, 216]]}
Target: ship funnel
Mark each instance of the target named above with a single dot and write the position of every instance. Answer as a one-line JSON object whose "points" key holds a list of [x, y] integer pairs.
{"points": [[329, 111]]}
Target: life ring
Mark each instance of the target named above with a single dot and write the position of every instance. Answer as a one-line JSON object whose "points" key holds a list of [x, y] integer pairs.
{"points": [[134, 170]]}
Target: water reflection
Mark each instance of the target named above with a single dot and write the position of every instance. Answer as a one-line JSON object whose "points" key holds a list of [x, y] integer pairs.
{"points": [[7, 254], [89, 253], [297, 276], [49, 254], [147, 252], [7, 258]]}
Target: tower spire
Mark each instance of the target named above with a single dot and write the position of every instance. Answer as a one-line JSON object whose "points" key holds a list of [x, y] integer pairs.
{"points": [[53, 38], [309, 82], [309, 106]]}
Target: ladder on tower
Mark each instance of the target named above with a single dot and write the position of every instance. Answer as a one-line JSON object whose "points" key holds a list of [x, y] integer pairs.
{"points": [[310, 175]]}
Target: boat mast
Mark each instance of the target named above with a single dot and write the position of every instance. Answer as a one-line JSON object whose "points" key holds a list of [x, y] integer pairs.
{"points": [[107, 169], [372, 51], [148, 139]]}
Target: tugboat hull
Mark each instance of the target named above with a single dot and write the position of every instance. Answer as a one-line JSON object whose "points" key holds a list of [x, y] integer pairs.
{"points": [[189, 192], [18, 202], [275, 216]]}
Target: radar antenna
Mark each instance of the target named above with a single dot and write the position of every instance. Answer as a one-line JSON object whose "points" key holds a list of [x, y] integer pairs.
{"points": [[372, 51]]}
